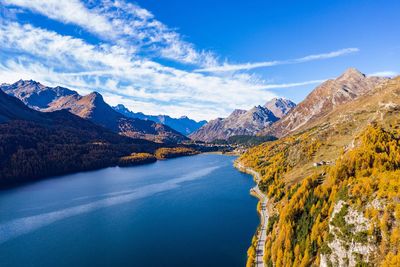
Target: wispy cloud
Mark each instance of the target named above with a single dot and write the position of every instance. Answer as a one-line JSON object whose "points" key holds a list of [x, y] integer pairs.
{"points": [[249, 66], [117, 67], [72, 62], [71, 11], [289, 85], [125, 23], [387, 73]]}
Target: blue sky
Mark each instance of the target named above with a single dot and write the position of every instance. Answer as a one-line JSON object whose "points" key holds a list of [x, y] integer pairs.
{"points": [[199, 58]]}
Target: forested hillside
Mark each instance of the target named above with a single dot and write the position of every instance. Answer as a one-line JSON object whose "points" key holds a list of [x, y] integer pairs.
{"points": [[35, 144], [333, 189]]}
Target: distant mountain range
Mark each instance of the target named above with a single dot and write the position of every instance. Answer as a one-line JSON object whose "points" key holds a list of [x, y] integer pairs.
{"points": [[278, 117], [91, 107], [244, 122], [184, 125]]}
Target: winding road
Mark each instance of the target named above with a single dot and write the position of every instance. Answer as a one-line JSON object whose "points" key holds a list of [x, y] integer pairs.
{"points": [[262, 234]]}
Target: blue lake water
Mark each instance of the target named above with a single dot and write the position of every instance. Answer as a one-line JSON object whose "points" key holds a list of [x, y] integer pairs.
{"points": [[190, 211]]}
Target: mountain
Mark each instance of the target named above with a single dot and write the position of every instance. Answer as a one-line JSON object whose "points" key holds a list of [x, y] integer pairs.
{"points": [[13, 109], [35, 94], [323, 99], [91, 107], [35, 144], [333, 186], [239, 122], [184, 125], [280, 106]]}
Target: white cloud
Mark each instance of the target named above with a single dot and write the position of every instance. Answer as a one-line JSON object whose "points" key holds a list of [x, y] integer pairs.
{"points": [[72, 62], [201, 97], [387, 73], [288, 85], [248, 66], [71, 52], [71, 11], [117, 70], [125, 23]]}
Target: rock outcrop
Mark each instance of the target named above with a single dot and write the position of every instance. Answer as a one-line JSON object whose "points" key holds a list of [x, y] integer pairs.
{"points": [[280, 106]]}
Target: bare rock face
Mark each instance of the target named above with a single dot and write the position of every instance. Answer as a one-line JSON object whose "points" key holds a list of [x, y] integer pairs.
{"points": [[345, 250], [239, 122], [323, 99], [280, 106], [91, 107]]}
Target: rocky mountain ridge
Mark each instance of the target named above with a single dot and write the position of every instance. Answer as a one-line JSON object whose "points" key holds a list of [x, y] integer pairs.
{"points": [[244, 122], [280, 106], [325, 98], [91, 107]]}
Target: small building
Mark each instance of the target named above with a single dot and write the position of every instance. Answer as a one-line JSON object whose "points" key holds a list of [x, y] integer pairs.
{"points": [[321, 163]]}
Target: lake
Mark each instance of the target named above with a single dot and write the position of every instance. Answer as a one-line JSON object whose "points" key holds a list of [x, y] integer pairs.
{"points": [[190, 211]]}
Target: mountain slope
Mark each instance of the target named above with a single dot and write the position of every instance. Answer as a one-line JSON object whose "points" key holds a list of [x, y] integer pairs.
{"points": [[333, 188], [184, 125], [323, 99], [91, 107], [239, 122], [34, 144], [280, 106]]}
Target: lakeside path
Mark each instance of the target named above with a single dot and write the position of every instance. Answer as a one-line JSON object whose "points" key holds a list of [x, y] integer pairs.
{"points": [[262, 234]]}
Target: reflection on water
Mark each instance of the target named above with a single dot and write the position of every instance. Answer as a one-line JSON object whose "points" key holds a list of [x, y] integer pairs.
{"points": [[192, 211]]}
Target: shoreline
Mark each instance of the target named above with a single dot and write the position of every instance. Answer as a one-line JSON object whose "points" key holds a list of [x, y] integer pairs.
{"points": [[59, 175], [263, 201], [230, 153], [125, 189], [116, 164]]}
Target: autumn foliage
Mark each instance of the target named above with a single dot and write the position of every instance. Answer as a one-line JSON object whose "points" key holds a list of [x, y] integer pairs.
{"points": [[31, 151], [368, 173], [173, 152], [136, 158]]}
